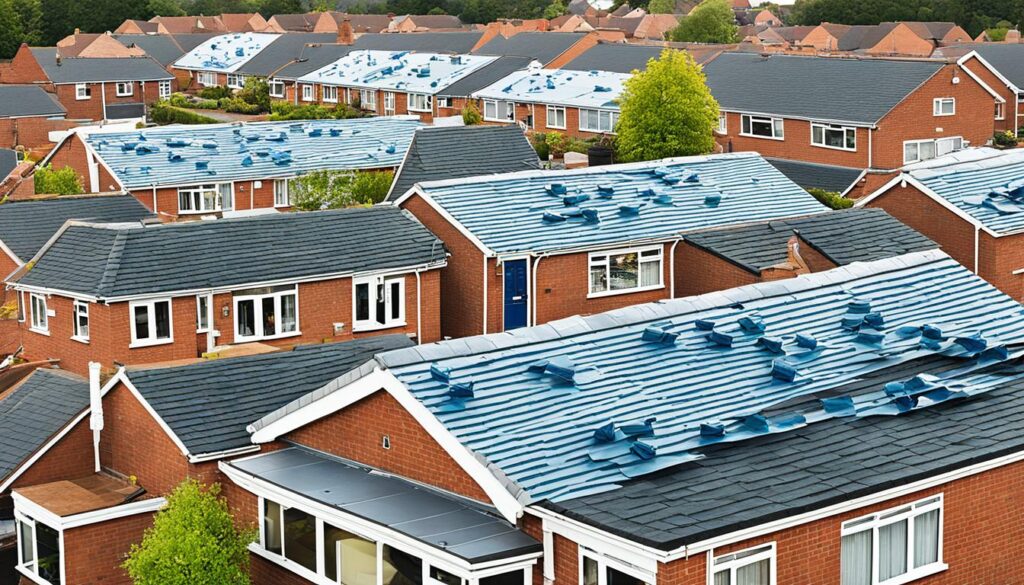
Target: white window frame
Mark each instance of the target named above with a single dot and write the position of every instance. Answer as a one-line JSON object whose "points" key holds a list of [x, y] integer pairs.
{"points": [[204, 313], [32, 570], [389, 103], [282, 192], [736, 560], [604, 562], [308, 92], [236, 81], [124, 89], [151, 339], [21, 306], [80, 309], [778, 126], [194, 190], [40, 314], [426, 105], [207, 78], [329, 93], [607, 254], [510, 111], [368, 99], [83, 92], [257, 300], [557, 110], [373, 282], [1000, 111], [276, 88], [164, 89], [846, 130], [936, 148], [938, 105], [613, 120], [445, 101], [898, 514], [723, 123]]}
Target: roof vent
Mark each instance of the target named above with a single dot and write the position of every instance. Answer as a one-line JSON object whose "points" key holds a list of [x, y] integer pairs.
{"points": [[605, 190], [643, 450], [552, 217], [391, 149], [656, 334], [461, 390], [719, 338], [663, 199], [712, 200], [591, 216], [602, 89], [692, 178], [556, 189], [247, 161], [126, 146], [859, 306], [973, 344], [839, 406], [174, 157], [756, 423], [783, 372], [630, 208], [456, 59], [752, 324], [704, 325], [772, 344], [239, 52], [440, 374], [806, 341], [576, 199], [869, 337], [605, 434], [146, 149], [210, 144], [335, 132], [315, 133], [644, 429], [202, 165], [712, 430], [561, 367]]}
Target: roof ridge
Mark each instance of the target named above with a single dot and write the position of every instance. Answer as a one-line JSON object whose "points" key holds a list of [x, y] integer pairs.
{"points": [[113, 263]]}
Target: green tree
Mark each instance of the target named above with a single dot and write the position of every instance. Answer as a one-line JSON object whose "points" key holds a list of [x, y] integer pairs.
{"points": [[712, 21], [193, 541], [10, 30], [437, 10], [256, 92], [662, 7], [554, 10], [62, 181], [30, 17], [666, 111], [328, 189], [471, 115], [165, 8]]}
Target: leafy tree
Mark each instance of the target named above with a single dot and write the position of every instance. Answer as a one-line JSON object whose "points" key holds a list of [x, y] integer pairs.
{"points": [[30, 17], [328, 189], [193, 541], [437, 10], [471, 115], [165, 8], [10, 30], [554, 10], [63, 181], [662, 7], [256, 92], [831, 198], [712, 21], [666, 110]]}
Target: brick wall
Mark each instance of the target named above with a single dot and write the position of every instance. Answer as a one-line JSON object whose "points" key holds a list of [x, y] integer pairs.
{"points": [[1000, 88], [93, 554], [901, 40], [72, 153], [247, 196], [30, 132], [264, 572], [699, 272], [796, 146], [71, 457], [24, 68], [93, 108]]}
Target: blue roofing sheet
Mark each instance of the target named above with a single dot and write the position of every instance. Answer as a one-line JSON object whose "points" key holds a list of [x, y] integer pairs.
{"points": [[225, 53], [543, 210], [410, 72], [581, 405], [986, 184], [191, 155], [583, 89]]}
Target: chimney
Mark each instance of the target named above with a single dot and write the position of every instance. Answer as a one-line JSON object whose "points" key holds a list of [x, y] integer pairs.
{"points": [[78, 31], [1012, 36], [96, 410], [345, 36], [57, 56]]}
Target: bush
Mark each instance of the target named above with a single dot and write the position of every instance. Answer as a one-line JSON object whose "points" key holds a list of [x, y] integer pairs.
{"points": [[339, 189], [287, 111], [63, 181], [214, 93], [163, 113], [371, 187], [558, 144], [180, 100], [471, 115], [1004, 138], [239, 106], [256, 93], [831, 198], [540, 144]]}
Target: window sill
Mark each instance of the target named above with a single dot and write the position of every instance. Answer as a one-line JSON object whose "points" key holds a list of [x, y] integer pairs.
{"points": [[327, 101], [289, 565], [943, 115], [85, 99], [146, 343], [45, 332], [201, 212], [420, 111], [243, 339], [839, 148], [919, 573], [125, 95], [499, 120], [31, 576], [612, 293], [84, 340], [357, 328], [763, 137], [554, 127], [282, 206]]}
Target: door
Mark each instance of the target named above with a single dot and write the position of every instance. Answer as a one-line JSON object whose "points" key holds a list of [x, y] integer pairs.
{"points": [[515, 294]]}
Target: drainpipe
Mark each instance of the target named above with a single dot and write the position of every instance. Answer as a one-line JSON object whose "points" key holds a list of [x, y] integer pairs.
{"points": [[533, 279], [672, 268], [96, 411], [485, 295], [870, 131], [419, 309], [155, 210], [977, 237], [103, 99]]}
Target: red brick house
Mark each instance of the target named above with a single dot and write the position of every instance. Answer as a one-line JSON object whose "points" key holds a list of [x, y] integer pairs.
{"points": [[27, 116], [999, 66]]}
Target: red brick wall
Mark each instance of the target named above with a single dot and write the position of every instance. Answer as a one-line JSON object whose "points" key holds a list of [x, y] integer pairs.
{"points": [[264, 572], [24, 68], [797, 144], [29, 132], [699, 272], [247, 196], [997, 86], [92, 109], [71, 457], [93, 554], [902, 41], [72, 153]]}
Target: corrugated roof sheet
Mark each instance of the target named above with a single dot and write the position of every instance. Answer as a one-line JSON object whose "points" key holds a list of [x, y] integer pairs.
{"points": [[590, 89], [428, 73], [91, 69], [542, 211], [214, 153], [18, 101], [225, 53], [813, 175]]}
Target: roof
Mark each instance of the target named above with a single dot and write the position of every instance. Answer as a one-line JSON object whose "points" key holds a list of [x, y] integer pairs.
{"points": [[85, 494], [431, 20], [93, 69], [590, 89], [311, 58], [261, 150], [189, 41], [209, 404], [8, 162], [35, 411], [163, 48], [296, 22], [818, 176], [1006, 58], [858, 91], [188, 24], [426, 73], [440, 520], [541, 46], [426, 42], [225, 53], [844, 237], [463, 151], [519, 212], [118, 261], [281, 52], [616, 57], [490, 73], [26, 225]]}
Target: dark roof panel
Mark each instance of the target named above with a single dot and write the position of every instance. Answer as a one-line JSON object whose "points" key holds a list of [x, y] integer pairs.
{"points": [[486, 76], [94, 69], [426, 42], [8, 162], [818, 176], [616, 57], [542, 46], [313, 57], [286, 49], [19, 101], [163, 48]]}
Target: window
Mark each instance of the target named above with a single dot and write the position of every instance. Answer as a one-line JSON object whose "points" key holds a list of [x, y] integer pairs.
{"points": [[151, 322], [40, 318], [330, 93], [307, 93], [39, 549], [624, 271], [444, 102], [207, 78], [496, 111], [349, 556], [389, 103], [82, 91], [368, 99], [555, 117], [401, 568], [266, 313], [419, 102], [164, 89], [379, 302], [282, 196], [21, 307], [206, 198], [277, 89], [753, 566], [203, 313], [236, 81], [598, 120], [944, 106], [80, 326], [1000, 110], [596, 569], [723, 124], [919, 150], [838, 137], [124, 88], [759, 127], [893, 546]]}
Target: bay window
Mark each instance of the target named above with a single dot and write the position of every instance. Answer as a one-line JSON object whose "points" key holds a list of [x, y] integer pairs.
{"points": [[276, 89], [150, 322], [308, 93], [330, 93], [420, 102], [838, 137], [555, 117], [495, 111], [920, 150], [761, 127], [598, 120], [368, 99], [893, 546], [39, 550], [624, 271], [80, 324], [206, 198], [207, 78], [944, 106], [753, 566], [266, 313], [379, 302], [40, 317]]}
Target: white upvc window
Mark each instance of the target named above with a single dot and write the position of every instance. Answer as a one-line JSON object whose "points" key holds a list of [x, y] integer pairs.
{"points": [[204, 314], [723, 124], [40, 317], [598, 121], [276, 88], [389, 103], [752, 566], [761, 127], [83, 91], [368, 99], [496, 111], [206, 198], [21, 307], [379, 302], [1000, 111], [833, 136], [266, 313], [80, 324], [39, 550], [555, 117], [164, 89], [625, 271], [283, 192], [207, 78], [919, 150], [420, 102], [893, 546], [236, 81], [944, 106], [151, 322], [599, 569], [330, 93], [124, 88], [308, 92], [445, 101]]}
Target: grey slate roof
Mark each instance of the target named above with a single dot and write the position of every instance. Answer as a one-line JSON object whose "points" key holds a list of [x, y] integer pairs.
{"points": [[860, 91], [616, 57], [209, 404], [850, 235], [426, 42], [26, 225], [189, 41], [813, 175], [8, 162], [542, 46], [281, 52], [163, 48], [94, 69], [463, 151], [311, 58], [28, 100], [109, 262], [1007, 59], [37, 409], [486, 76]]}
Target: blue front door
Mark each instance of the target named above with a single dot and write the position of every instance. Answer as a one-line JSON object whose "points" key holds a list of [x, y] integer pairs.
{"points": [[515, 294]]}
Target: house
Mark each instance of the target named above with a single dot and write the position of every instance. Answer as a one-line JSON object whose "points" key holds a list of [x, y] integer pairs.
{"points": [[27, 116], [286, 50], [174, 25], [133, 26], [1000, 67], [550, 49], [825, 37], [244, 22], [627, 58], [95, 45], [534, 246], [165, 49], [915, 39], [453, 99], [311, 22], [968, 203], [424, 22], [311, 58], [215, 61], [146, 295], [875, 114], [180, 171], [456, 43], [456, 152], [93, 88]]}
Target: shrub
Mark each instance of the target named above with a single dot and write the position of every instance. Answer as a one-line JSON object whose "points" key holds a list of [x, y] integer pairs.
{"points": [[1004, 138], [540, 144], [471, 115], [339, 189], [287, 111], [371, 187], [63, 181], [163, 113], [214, 93], [239, 106], [256, 93], [831, 198]]}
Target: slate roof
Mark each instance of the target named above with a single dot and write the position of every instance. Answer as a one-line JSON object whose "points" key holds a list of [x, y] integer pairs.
{"points": [[844, 237], [463, 151], [114, 262], [17, 101], [26, 225], [426, 42], [189, 41], [1006, 58], [856, 91], [580, 89], [256, 150], [518, 212], [815, 175], [163, 48], [209, 404], [8, 162], [40, 406], [616, 57], [486, 75], [541, 46], [281, 52], [225, 53], [94, 69], [428, 73], [311, 58]]}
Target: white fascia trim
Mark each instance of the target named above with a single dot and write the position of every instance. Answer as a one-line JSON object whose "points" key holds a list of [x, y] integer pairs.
{"points": [[103, 163], [984, 85], [42, 290], [27, 464], [41, 514], [854, 183], [203, 457], [868, 125], [122, 376], [909, 179], [378, 380], [10, 254], [988, 66], [417, 190], [56, 147], [595, 539], [398, 171]]}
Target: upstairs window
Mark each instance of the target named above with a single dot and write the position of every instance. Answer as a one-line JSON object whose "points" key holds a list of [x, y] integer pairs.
{"points": [[761, 127], [495, 111], [379, 302], [330, 93], [40, 318], [266, 313], [837, 137], [753, 566], [151, 322], [80, 326], [624, 271], [893, 546], [555, 117], [82, 91], [124, 88], [598, 121], [277, 89], [944, 106], [420, 102]]}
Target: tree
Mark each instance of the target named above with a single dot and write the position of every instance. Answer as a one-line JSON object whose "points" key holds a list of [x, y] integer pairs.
{"points": [[256, 92], [666, 111], [165, 8], [554, 10], [63, 181], [193, 541], [10, 30], [471, 115], [712, 21], [662, 7], [327, 189]]}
